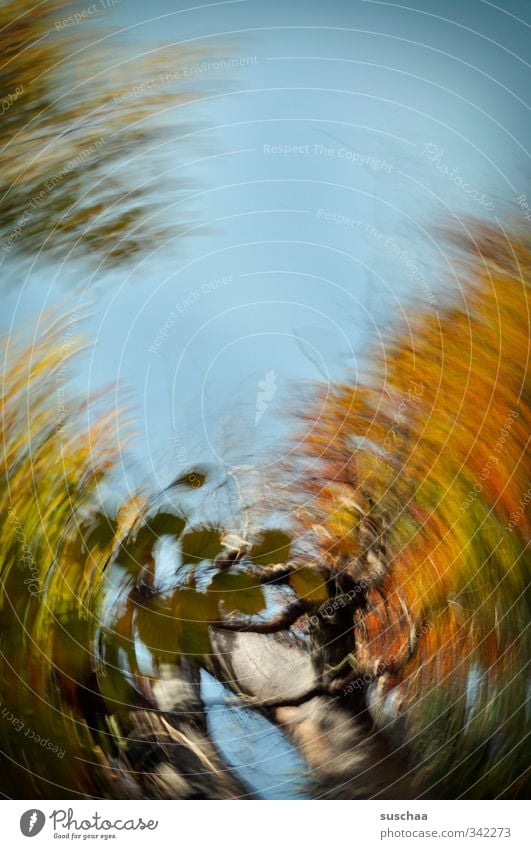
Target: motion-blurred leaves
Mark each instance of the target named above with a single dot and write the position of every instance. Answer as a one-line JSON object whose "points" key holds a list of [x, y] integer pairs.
{"points": [[84, 119], [237, 592], [418, 493], [273, 547]]}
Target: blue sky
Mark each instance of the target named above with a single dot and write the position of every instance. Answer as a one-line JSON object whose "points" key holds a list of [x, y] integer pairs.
{"points": [[323, 164]]}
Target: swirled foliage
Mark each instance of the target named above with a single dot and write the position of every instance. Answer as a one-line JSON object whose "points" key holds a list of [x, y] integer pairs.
{"points": [[84, 115], [414, 481], [86, 626]]}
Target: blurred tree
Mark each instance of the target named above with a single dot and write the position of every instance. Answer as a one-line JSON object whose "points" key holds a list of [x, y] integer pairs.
{"points": [[81, 604], [406, 560], [412, 486], [83, 116], [409, 559]]}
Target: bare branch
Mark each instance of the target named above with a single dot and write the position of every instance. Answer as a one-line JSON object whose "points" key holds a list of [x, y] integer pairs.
{"points": [[250, 624], [273, 704], [276, 573]]}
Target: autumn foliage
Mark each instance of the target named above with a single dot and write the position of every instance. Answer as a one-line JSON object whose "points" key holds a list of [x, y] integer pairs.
{"points": [[408, 484], [428, 448]]}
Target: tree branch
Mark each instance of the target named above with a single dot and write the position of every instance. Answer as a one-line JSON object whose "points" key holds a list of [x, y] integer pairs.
{"points": [[277, 573], [249, 624], [290, 701]]}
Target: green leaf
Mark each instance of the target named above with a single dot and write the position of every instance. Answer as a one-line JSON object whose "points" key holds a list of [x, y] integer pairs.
{"points": [[196, 611], [72, 638], [192, 606], [239, 593], [100, 532], [196, 639], [179, 624], [309, 585], [166, 524], [134, 552], [274, 547], [160, 629], [201, 544]]}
